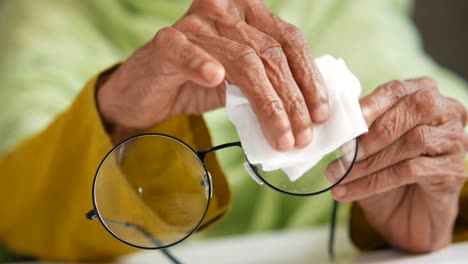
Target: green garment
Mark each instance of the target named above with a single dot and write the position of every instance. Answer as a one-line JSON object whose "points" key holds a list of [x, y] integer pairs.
{"points": [[49, 48]]}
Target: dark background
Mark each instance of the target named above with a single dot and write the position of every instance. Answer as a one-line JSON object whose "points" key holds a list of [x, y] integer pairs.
{"points": [[444, 28]]}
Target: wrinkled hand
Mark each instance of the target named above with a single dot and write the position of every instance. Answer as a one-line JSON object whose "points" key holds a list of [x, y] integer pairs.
{"points": [[410, 167], [181, 71]]}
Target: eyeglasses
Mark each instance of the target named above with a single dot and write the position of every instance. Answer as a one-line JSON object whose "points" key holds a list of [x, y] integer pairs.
{"points": [[153, 191]]}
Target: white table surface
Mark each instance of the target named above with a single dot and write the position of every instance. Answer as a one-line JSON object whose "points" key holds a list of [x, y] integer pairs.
{"points": [[295, 247], [308, 246]]}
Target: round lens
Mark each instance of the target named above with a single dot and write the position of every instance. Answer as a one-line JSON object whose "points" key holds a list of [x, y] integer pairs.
{"points": [[313, 181], [151, 191]]}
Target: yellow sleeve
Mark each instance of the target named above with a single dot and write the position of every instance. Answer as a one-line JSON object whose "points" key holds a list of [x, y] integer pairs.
{"points": [[461, 224], [365, 237], [47, 184]]}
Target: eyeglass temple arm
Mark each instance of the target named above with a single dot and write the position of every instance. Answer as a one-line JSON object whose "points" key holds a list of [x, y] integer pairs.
{"points": [[92, 215], [331, 241], [202, 154]]}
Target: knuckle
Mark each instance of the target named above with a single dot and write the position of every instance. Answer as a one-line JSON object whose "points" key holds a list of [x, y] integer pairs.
{"points": [[239, 25], [421, 136], [184, 51], [272, 108], [163, 32], [297, 111], [253, 4], [164, 35], [272, 50], [251, 59], [292, 35], [426, 103], [395, 86], [171, 44], [393, 89], [243, 54], [291, 31], [205, 7], [411, 167], [295, 105], [191, 24], [384, 130], [196, 25], [191, 20], [428, 83]]}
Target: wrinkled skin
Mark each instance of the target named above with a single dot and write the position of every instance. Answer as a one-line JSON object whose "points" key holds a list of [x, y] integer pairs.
{"points": [[181, 71], [410, 168], [411, 163]]}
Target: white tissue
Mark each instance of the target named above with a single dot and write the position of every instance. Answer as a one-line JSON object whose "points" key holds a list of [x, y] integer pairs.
{"points": [[343, 125]]}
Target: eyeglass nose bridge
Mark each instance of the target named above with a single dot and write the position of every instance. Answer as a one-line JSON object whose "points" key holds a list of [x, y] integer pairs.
{"points": [[206, 183], [91, 215], [250, 170]]}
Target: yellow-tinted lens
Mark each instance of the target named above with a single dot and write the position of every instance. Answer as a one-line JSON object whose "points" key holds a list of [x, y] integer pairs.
{"points": [[151, 191]]}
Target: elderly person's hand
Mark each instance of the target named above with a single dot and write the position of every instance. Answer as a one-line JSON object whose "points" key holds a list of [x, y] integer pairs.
{"points": [[410, 167], [181, 71]]}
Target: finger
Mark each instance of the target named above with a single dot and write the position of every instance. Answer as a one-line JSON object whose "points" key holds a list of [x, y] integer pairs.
{"points": [[245, 68], [278, 72], [421, 140], [387, 95], [194, 99], [444, 171], [422, 107], [458, 133], [460, 110], [184, 61], [445, 174], [465, 142], [299, 57]]}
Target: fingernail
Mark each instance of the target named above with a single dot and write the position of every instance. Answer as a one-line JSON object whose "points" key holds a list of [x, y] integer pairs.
{"points": [[330, 178], [211, 71], [304, 138], [330, 173], [321, 113], [340, 191], [336, 170], [286, 141]]}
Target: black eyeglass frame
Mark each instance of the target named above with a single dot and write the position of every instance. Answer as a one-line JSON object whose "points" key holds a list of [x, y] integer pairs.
{"points": [[94, 213]]}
